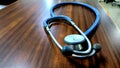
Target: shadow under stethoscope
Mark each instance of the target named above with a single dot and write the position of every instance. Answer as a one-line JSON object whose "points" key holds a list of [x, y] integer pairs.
{"points": [[91, 62]]}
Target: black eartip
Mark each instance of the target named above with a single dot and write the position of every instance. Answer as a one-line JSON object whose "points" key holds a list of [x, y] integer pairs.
{"points": [[67, 50], [97, 47]]}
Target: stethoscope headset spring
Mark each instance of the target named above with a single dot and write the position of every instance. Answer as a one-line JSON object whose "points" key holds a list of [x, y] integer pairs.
{"points": [[74, 39]]}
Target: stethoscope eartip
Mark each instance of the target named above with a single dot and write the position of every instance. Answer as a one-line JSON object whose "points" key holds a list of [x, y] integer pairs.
{"points": [[97, 47], [67, 50]]}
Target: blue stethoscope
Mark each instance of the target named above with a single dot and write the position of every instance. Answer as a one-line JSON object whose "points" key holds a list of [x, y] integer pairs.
{"points": [[75, 41]]}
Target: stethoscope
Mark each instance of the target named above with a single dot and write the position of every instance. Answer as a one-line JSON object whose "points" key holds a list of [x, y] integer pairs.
{"points": [[75, 41]]}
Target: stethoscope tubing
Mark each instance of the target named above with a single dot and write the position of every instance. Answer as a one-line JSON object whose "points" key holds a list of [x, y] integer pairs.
{"points": [[97, 14]]}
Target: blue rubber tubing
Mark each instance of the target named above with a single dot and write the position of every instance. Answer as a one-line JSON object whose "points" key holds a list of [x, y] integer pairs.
{"points": [[52, 19], [97, 14]]}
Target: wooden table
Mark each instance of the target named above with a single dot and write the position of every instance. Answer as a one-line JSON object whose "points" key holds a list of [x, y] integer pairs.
{"points": [[25, 44]]}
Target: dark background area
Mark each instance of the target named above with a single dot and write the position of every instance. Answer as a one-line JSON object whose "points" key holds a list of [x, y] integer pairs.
{"points": [[6, 2]]}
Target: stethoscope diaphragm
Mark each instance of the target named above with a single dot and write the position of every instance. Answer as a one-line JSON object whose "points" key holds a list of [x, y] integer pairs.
{"points": [[74, 39]]}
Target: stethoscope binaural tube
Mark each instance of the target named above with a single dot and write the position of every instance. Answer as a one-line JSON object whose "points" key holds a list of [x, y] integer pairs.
{"points": [[97, 14], [48, 22], [79, 54]]}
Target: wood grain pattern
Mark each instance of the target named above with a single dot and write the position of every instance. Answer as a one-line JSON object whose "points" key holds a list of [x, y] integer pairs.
{"points": [[25, 44]]}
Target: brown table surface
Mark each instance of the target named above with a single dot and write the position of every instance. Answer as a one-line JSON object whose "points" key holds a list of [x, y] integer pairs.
{"points": [[25, 44]]}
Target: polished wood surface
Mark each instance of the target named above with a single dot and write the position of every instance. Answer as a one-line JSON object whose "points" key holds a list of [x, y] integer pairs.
{"points": [[25, 44]]}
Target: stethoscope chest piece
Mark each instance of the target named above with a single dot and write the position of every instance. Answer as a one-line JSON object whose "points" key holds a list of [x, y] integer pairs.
{"points": [[74, 39]]}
